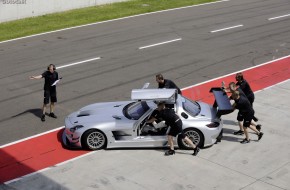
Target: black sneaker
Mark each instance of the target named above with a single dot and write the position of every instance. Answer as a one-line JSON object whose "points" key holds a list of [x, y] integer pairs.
{"points": [[52, 115], [260, 135], [169, 152], [245, 141], [196, 150], [258, 127], [239, 132], [43, 118]]}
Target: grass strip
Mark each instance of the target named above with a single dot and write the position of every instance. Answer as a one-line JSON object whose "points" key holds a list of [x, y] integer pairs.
{"points": [[55, 21]]}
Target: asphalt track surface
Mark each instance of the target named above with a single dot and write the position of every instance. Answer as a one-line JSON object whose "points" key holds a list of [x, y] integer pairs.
{"points": [[210, 41]]}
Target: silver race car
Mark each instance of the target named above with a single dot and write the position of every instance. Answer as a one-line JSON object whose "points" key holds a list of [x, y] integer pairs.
{"points": [[123, 124]]}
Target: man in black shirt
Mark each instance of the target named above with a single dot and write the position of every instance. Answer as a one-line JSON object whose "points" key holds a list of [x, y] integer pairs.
{"points": [[247, 112], [50, 77], [232, 88], [175, 123], [244, 85], [166, 83]]}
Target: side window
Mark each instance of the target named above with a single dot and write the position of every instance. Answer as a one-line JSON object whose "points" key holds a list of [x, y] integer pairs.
{"points": [[191, 107], [136, 110]]}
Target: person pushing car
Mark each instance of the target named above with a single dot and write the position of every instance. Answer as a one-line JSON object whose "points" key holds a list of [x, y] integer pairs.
{"points": [[175, 123], [247, 114]]}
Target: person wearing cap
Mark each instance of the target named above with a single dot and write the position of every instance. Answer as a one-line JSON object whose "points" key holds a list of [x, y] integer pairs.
{"points": [[175, 123]]}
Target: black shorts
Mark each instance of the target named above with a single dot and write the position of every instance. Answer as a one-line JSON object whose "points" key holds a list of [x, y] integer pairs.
{"points": [[247, 120], [49, 95], [176, 129], [240, 116]]}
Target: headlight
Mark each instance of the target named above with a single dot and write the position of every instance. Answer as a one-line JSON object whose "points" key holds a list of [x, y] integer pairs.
{"points": [[73, 129]]}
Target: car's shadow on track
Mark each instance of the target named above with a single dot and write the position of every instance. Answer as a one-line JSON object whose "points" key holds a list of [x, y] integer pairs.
{"points": [[228, 133]]}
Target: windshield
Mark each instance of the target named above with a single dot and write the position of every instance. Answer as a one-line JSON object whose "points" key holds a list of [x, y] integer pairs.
{"points": [[135, 110], [190, 106]]}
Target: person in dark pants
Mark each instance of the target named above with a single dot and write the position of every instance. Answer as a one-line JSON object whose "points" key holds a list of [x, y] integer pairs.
{"points": [[50, 77], [247, 112], [232, 88], [246, 88], [166, 83], [175, 123]]}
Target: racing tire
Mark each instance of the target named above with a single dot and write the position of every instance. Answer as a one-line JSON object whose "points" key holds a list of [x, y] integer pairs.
{"points": [[194, 135], [94, 139]]}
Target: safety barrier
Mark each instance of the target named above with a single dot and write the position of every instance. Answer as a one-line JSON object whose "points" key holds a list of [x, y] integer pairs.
{"points": [[18, 9]]}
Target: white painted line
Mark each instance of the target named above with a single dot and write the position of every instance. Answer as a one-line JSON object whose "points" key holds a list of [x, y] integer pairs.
{"points": [[166, 42], [76, 158], [45, 169], [269, 87], [31, 137], [228, 28], [279, 17], [76, 63], [235, 72], [34, 35]]}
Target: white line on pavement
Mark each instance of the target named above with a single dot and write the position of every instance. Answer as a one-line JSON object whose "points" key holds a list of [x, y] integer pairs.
{"points": [[113, 20], [76, 63], [45, 169], [237, 72], [166, 42], [228, 28], [272, 86], [31, 137], [273, 18], [76, 158]]}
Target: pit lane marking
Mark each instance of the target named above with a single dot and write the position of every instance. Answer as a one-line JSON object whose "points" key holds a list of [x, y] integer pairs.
{"points": [[31, 137], [160, 43], [48, 168], [228, 28], [59, 128], [79, 62], [226, 75], [93, 152], [274, 18]]}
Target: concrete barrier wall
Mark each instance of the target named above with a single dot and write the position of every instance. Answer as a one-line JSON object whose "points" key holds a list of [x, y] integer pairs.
{"points": [[18, 9]]}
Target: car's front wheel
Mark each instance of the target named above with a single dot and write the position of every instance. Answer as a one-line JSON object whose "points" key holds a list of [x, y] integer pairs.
{"points": [[194, 135], [94, 140]]}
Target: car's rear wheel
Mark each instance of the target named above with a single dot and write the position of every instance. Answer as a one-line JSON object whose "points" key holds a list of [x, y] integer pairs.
{"points": [[194, 135], [94, 140]]}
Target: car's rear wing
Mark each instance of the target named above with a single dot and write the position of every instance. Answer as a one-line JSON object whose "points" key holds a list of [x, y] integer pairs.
{"points": [[222, 101], [162, 95]]}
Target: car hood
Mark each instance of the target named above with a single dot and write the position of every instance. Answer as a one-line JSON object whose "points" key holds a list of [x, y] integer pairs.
{"points": [[99, 112]]}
